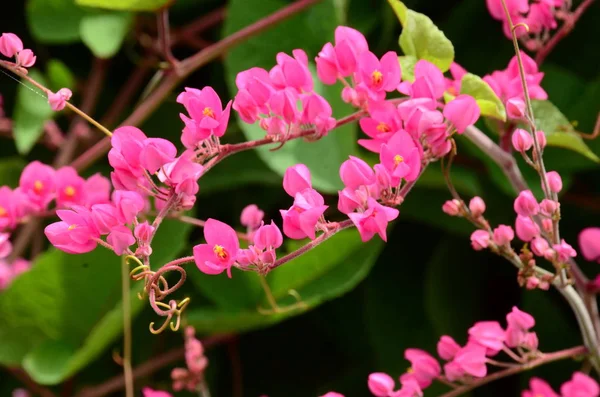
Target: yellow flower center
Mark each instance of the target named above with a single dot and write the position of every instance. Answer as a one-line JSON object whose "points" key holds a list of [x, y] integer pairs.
{"points": [[410, 370], [70, 191], [398, 159], [72, 227], [383, 127], [376, 77], [220, 252], [38, 186], [3, 212], [208, 112]]}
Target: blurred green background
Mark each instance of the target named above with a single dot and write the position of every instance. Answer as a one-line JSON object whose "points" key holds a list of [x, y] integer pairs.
{"points": [[368, 302]]}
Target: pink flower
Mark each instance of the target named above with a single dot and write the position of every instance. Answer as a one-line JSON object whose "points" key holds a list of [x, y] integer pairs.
{"points": [[401, 157], [564, 251], [97, 190], [301, 219], [341, 60], [5, 245], [383, 123], [580, 385], [355, 173], [70, 188], [8, 208], [267, 237], [526, 204], [156, 153], [182, 174], [381, 384], [410, 388], [424, 368], [75, 234], [548, 207], [477, 206], [451, 207], [515, 109], [374, 220], [503, 235], [255, 89], [105, 217], [453, 371], [541, 137], [348, 201], [128, 205], [488, 334], [121, 238], [10, 44], [429, 82], [514, 7], [526, 228], [296, 179], [589, 243], [127, 144], [38, 183], [207, 113], [148, 392], [520, 319], [554, 181], [379, 76], [143, 232], [480, 239], [519, 324], [463, 111], [539, 388], [447, 347], [329, 394], [471, 360], [58, 100], [539, 246], [220, 250], [26, 58], [292, 72], [283, 103], [252, 216], [317, 111]]}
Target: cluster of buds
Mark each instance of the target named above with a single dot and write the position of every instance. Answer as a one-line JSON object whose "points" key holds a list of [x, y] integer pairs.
{"points": [[11, 46], [190, 378], [580, 385]]}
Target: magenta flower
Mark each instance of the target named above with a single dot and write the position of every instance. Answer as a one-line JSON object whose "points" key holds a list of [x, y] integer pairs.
{"points": [[355, 173], [379, 76], [341, 60], [5, 245], [374, 220], [564, 251], [488, 334], [451, 207], [268, 237], [10, 45], [156, 153], [515, 109], [301, 219], [514, 7], [381, 384], [75, 234], [519, 324], [540, 246], [128, 204], [331, 394], [26, 58], [539, 388], [148, 392], [463, 111], [424, 368], [348, 201], [477, 206], [447, 347], [207, 113], [410, 388], [548, 207], [526, 204], [471, 360], [283, 103], [589, 243], [97, 190], [292, 72], [526, 228], [121, 238], [580, 385], [401, 157], [381, 126], [480, 239], [317, 111], [58, 100], [8, 213], [252, 216], [219, 252], [70, 188], [38, 182], [255, 89], [296, 179], [554, 181], [503, 235], [127, 144], [105, 217], [429, 82]]}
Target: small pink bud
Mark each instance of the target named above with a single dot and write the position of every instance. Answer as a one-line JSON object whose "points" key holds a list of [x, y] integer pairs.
{"points": [[477, 206], [447, 347], [520, 319], [589, 243], [296, 179], [452, 207], [58, 100], [5, 245], [532, 282], [381, 384], [348, 201], [541, 137], [554, 181], [252, 216], [539, 246], [548, 207], [564, 251], [503, 235], [26, 58], [10, 44], [515, 108], [268, 236], [355, 173], [521, 140], [530, 341], [526, 228], [143, 232], [526, 204], [547, 225], [488, 334], [121, 239], [247, 256], [480, 239]]}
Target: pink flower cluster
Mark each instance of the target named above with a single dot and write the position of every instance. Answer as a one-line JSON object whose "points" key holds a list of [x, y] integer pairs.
{"points": [[589, 244], [10, 271], [12, 46], [580, 385], [148, 392], [189, 378]]}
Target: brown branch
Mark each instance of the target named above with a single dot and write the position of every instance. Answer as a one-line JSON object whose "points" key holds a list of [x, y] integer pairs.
{"points": [[30, 383]]}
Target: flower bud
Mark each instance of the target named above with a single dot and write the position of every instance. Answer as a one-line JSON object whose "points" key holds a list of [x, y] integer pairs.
{"points": [[251, 216], [246, 256], [526, 204], [58, 100], [589, 243], [539, 246], [530, 341], [480, 239], [380, 384], [143, 232], [26, 58], [268, 257], [515, 108], [547, 225], [355, 172], [121, 238], [477, 206], [268, 236], [526, 228], [548, 207], [503, 235], [532, 282], [452, 207], [541, 137], [521, 140], [564, 251], [10, 44], [447, 347], [554, 181], [296, 179], [348, 201]]}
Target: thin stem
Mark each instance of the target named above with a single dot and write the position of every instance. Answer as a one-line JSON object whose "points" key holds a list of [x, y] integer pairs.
{"points": [[265, 286], [125, 292], [181, 261], [544, 359]]}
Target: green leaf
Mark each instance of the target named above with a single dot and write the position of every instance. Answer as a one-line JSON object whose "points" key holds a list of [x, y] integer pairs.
{"points": [[126, 5], [104, 33], [54, 22], [66, 310], [324, 273], [407, 65], [10, 171], [30, 114], [559, 131], [421, 38], [59, 75], [489, 103], [317, 24]]}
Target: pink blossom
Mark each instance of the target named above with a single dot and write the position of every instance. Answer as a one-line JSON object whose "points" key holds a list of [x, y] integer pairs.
{"points": [[38, 182], [8, 208], [539, 246], [292, 72], [296, 179], [477, 206], [539, 388], [105, 217], [148, 392], [127, 144], [520, 319], [480, 239], [374, 220], [515, 109], [143, 232], [589, 244], [424, 368], [329, 394], [564, 251], [10, 45], [182, 174], [383, 123], [447, 347], [541, 17], [156, 153], [255, 89], [317, 111], [219, 252], [410, 388], [381, 384], [451, 207], [488, 334], [471, 360], [5, 245], [121, 238], [301, 219], [401, 157], [283, 103], [26, 58], [97, 190], [252, 216], [521, 140], [429, 82], [580, 385], [341, 60], [548, 207], [514, 7], [453, 371], [554, 181], [526, 204], [526, 228], [355, 173], [348, 201], [462, 112], [355, 39], [519, 323], [503, 235], [206, 111], [379, 76], [58, 100], [70, 188], [75, 234], [541, 137], [268, 236], [128, 204]]}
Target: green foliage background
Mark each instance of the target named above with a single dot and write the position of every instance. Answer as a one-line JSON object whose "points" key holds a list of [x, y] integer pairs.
{"points": [[367, 302]]}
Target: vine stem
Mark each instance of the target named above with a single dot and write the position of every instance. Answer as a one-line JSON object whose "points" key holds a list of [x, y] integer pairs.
{"points": [[544, 359], [125, 292]]}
